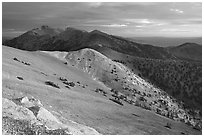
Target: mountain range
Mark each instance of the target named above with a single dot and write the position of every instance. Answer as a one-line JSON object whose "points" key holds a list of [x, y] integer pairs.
{"points": [[167, 41], [165, 80], [47, 38]]}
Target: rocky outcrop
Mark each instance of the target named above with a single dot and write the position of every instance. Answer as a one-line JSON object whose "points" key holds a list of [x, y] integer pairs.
{"points": [[28, 116], [46, 117], [10, 109]]}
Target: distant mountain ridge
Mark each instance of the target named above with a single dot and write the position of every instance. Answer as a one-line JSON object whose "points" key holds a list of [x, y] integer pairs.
{"points": [[188, 51], [47, 38], [166, 41], [70, 39]]}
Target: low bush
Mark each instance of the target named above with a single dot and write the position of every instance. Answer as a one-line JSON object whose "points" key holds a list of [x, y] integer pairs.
{"points": [[69, 83], [20, 78], [16, 59], [52, 84], [62, 79], [168, 125]]}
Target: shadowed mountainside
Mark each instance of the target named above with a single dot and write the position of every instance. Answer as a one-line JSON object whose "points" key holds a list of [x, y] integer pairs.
{"points": [[179, 78], [187, 51]]}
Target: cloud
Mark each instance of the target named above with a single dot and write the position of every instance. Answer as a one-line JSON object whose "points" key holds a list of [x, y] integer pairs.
{"points": [[114, 25], [139, 21], [139, 26], [94, 4], [12, 32], [177, 11], [107, 16], [18, 32], [174, 30]]}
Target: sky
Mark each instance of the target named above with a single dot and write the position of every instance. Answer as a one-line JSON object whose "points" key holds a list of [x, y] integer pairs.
{"points": [[133, 19]]}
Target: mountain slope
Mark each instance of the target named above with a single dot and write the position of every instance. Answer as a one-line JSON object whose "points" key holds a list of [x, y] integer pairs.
{"points": [[26, 73], [120, 78]]}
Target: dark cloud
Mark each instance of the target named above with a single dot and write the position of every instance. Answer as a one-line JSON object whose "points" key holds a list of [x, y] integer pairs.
{"points": [[149, 19]]}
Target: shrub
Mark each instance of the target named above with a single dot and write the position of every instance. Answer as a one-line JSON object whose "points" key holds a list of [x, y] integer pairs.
{"points": [[25, 63], [116, 101], [67, 87], [15, 59], [168, 125], [69, 83], [51, 84], [142, 99], [20, 78], [62, 79], [98, 90]]}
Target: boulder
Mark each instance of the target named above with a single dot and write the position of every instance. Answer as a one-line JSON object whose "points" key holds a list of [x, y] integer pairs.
{"points": [[10, 109], [30, 102], [27, 102], [79, 129], [49, 119]]}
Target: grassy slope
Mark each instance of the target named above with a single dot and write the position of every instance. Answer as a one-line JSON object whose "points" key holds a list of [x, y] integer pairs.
{"points": [[79, 104]]}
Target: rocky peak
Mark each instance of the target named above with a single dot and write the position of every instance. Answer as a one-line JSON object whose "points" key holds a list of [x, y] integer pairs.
{"points": [[98, 32]]}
